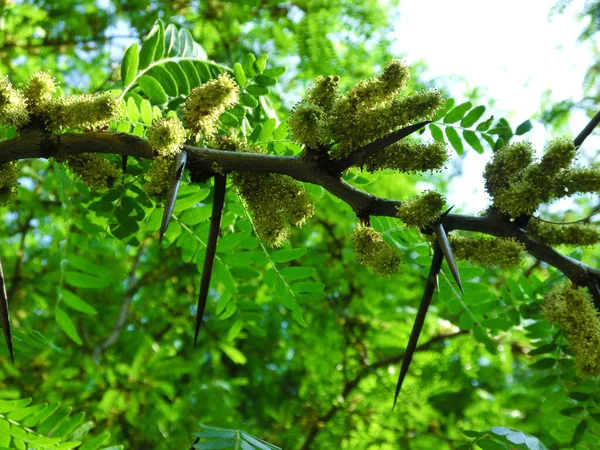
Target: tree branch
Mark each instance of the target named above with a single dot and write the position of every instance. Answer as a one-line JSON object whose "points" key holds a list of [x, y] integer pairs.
{"points": [[37, 144]]}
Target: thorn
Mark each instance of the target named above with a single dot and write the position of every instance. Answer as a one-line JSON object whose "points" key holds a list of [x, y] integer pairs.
{"points": [[180, 160], [5, 316], [211, 248], [442, 238], [434, 270]]}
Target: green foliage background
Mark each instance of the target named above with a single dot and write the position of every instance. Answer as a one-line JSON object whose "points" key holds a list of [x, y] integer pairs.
{"points": [[301, 345]]}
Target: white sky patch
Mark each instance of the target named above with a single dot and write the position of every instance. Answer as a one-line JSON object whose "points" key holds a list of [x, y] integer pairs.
{"points": [[512, 50]]}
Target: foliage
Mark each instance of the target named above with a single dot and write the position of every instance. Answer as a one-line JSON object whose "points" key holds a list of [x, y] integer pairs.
{"points": [[46, 426], [299, 344]]}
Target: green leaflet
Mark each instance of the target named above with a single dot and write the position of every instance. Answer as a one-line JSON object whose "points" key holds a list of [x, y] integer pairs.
{"points": [[130, 64]]}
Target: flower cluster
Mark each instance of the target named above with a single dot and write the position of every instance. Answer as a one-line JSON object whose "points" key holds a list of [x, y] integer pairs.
{"points": [[207, 102], [9, 173], [374, 252], [579, 234], [159, 178], [308, 124], [13, 105], [518, 184], [573, 310], [39, 92], [577, 181], [324, 92], [409, 155], [95, 170], [166, 136], [422, 211], [39, 103], [85, 112], [487, 251], [342, 123], [274, 201]]}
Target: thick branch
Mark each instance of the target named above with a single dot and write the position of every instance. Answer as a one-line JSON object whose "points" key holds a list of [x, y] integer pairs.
{"points": [[35, 144]]}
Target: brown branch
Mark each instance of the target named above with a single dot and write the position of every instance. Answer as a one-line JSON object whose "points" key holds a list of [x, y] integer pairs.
{"points": [[36, 144], [363, 373]]}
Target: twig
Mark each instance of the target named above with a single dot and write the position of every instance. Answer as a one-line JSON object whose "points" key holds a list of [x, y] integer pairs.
{"points": [[569, 223]]}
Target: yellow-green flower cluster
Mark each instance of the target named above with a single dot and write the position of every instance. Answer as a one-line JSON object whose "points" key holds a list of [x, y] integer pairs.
{"points": [[95, 170], [159, 178], [369, 93], [324, 92], [518, 184], [579, 234], [580, 180], [374, 252], [308, 124], [487, 251], [409, 155], [39, 92], [84, 112], [370, 110], [274, 201], [13, 105], [521, 197], [166, 136], [9, 173], [422, 211], [573, 310], [559, 154], [353, 127], [207, 102], [507, 166]]}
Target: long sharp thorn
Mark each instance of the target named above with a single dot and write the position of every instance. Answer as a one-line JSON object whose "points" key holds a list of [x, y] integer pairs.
{"points": [[5, 316], [442, 238], [180, 161], [211, 248], [434, 270]]}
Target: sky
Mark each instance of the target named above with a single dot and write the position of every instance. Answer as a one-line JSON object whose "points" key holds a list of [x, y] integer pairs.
{"points": [[513, 50]]}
